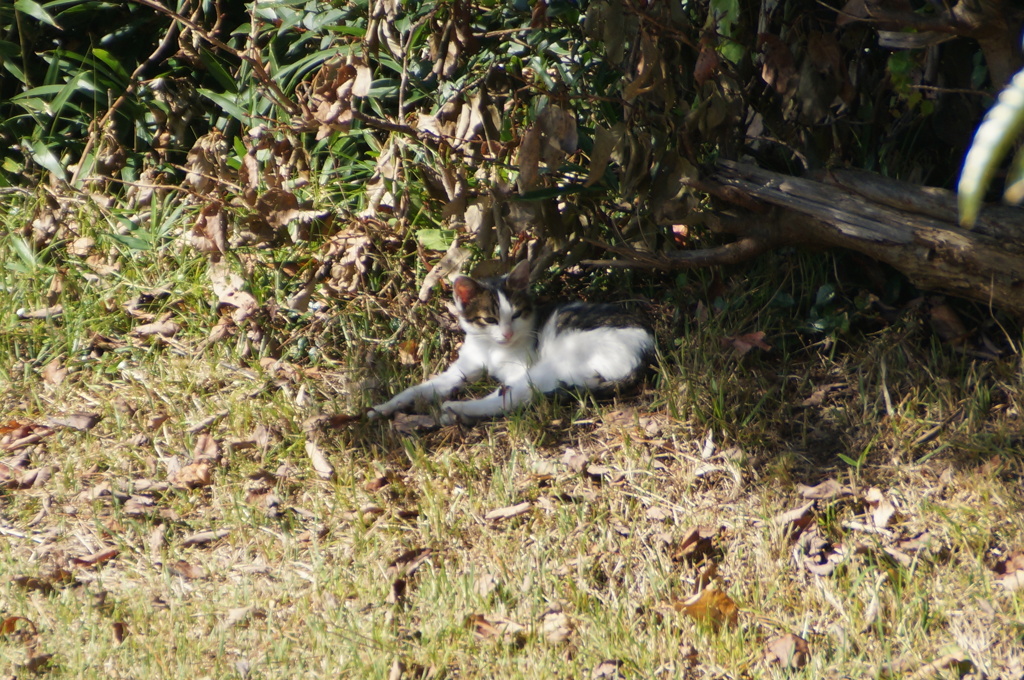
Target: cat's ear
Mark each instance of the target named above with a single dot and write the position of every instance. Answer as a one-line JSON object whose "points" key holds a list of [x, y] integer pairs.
{"points": [[519, 277], [464, 290]]}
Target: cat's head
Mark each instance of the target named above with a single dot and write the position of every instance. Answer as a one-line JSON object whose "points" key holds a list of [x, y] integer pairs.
{"points": [[498, 309]]}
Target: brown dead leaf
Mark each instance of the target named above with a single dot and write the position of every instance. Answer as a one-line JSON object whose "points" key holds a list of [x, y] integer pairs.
{"points": [[187, 570], [96, 558], [193, 476], [165, 328], [947, 324], [202, 538], [37, 663], [1010, 572], [207, 449], [76, 421], [708, 61], [321, 465], [496, 627], [509, 512], [451, 263], [53, 373], [882, 509], [710, 606], [15, 435], [778, 68], [953, 657], [409, 561], [826, 490], [10, 626], [797, 519], [227, 286], [555, 626], [119, 630], [742, 344], [609, 669], [697, 544], [411, 423], [44, 313], [819, 394], [407, 353], [377, 483], [33, 583], [788, 651], [240, 615], [576, 461], [156, 420]]}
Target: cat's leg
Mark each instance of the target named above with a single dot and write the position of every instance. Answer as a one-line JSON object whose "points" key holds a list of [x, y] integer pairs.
{"points": [[435, 389], [542, 377]]}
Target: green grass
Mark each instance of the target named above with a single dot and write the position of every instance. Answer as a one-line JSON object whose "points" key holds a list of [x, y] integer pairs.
{"points": [[318, 567]]}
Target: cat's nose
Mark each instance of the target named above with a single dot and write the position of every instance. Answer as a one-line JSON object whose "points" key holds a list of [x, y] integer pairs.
{"points": [[507, 335]]}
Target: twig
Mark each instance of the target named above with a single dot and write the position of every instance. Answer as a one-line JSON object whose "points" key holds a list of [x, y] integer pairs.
{"points": [[133, 83], [730, 253]]}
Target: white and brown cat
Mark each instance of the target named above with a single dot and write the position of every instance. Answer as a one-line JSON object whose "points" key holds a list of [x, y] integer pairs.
{"points": [[530, 350]]}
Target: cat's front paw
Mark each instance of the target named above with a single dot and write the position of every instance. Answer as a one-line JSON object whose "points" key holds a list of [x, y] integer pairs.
{"points": [[451, 413], [380, 411]]}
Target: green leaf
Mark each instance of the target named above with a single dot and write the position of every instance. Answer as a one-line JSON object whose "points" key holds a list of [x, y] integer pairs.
{"points": [[435, 239], [36, 11], [131, 241], [228, 105], [45, 157], [219, 73]]}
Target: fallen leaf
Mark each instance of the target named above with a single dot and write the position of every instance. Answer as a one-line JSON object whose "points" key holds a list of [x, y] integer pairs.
{"points": [[881, 509], [576, 461], [485, 584], [947, 324], [203, 538], [954, 657], [38, 663], [45, 313], [240, 615], [53, 373], [321, 465], [165, 329], [411, 423], [818, 396], [96, 558], [555, 626], [496, 627], [409, 561], [1011, 572], [697, 544], [451, 263], [788, 651], [746, 342], [119, 630], [186, 570], [609, 669], [10, 625], [377, 483], [509, 512], [33, 583], [826, 490], [710, 606], [193, 476], [76, 421], [407, 353], [797, 519]]}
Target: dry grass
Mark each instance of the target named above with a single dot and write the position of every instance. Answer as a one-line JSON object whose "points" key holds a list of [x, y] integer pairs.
{"points": [[393, 563]]}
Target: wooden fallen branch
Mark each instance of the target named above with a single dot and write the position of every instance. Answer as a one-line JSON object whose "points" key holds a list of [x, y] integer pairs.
{"points": [[912, 228]]}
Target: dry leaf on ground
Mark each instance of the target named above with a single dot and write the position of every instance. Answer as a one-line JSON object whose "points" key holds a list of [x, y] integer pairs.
{"points": [[1010, 572], [193, 476], [96, 558], [788, 651], [797, 519], [826, 490], [411, 423], [408, 562], [555, 626], [76, 421], [203, 538], [710, 606], [509, 512], [697, 544], [609, 669], [187, 570], [882, 509], [746, 342], [321, 465], [496, 627]]}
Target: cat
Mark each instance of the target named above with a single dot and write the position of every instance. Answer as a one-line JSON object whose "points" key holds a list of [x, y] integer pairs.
{"points": [[598, 347]]}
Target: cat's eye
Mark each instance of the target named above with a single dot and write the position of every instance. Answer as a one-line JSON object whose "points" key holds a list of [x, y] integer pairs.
{"points": [[489, 320], [516, 314]]}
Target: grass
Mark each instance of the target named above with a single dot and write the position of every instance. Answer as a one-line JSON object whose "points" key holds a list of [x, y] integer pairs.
{"points": [[350, 576]]}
